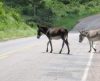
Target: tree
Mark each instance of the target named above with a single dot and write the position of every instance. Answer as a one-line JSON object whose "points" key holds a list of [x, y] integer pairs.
{"points": [[33, 10]]}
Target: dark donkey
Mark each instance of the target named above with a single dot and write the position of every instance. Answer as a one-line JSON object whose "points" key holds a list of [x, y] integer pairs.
{"points": [[54, 33]]}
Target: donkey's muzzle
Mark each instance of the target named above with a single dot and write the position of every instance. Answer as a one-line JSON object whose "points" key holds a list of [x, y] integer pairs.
{"points": [[80, 41], [38, 37]]}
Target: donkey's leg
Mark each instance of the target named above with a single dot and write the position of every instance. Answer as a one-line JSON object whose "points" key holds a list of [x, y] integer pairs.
{"points": [[67, 45], [62, 47], [66, 42], [93, 46], [90, 43], [51, 46], [47, 46]]}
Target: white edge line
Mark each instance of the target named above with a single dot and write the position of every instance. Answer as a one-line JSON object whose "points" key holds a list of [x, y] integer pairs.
{"points": [[87, 67], [10, 52]]}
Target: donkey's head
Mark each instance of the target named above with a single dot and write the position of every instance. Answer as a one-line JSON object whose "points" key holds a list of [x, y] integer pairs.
{"points": [[39, 33], [41, 30], [82, 35]]}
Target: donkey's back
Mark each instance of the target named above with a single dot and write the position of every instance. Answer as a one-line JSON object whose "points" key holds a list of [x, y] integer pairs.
{"points": [[94, 35], [57, 33]]}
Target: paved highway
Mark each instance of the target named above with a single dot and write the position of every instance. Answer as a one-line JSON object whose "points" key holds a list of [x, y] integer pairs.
{"points": [[26, 60]]}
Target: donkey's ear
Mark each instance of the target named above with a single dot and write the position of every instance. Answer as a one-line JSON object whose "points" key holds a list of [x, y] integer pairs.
{"points": [[80, 32], [86, 33]]}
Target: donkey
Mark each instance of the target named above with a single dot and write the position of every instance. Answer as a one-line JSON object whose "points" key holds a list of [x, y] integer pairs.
{"points": [[54, 33], [91, 35]]}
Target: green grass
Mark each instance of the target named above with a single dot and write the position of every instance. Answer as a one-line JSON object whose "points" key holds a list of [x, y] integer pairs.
{"points": [[70, 21], [13, 34], [11, 28], [20, 29], [67, 22], [12, 24]]}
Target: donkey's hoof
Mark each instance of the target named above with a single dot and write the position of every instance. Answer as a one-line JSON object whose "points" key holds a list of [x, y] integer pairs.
{"points": [[95, 50], [59, 52], [68, 52], [50, 51]]}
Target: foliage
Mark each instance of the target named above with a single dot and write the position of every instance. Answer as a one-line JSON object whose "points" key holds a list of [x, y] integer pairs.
{"points": [[11, 24], [25, 14], [46, 11]]}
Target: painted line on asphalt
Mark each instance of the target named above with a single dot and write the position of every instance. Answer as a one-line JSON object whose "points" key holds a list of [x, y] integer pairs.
{"points": [[85, 75], [6, 54]]}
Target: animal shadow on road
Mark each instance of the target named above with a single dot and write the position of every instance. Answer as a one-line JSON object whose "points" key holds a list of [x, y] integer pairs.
{"points": [[98, 52], [57, 53], [62, 53]]}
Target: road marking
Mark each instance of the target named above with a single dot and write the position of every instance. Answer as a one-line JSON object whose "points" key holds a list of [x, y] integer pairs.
{"points": [[6, 54], [3, 56], [84, 78]]}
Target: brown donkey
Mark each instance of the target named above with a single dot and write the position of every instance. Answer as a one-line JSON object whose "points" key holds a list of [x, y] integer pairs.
{"points": [[54, 33]]}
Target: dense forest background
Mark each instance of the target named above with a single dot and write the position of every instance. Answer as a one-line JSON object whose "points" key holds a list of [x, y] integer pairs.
{"points": [[18, 18]]}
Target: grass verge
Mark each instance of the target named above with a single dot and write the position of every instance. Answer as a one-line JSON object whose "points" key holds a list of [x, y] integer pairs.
{"points": [[16, 33]]}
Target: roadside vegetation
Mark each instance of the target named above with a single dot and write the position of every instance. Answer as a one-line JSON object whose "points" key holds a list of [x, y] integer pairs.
{"points": [[18, 18]]}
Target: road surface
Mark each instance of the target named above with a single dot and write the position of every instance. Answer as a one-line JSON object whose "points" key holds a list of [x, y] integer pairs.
{"points": [[26, 60]]}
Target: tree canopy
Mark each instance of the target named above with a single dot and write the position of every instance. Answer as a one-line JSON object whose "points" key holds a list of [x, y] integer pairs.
{"points": [[47, 11]]}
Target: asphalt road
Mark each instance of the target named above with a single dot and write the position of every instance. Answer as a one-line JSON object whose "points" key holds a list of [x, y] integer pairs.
{"points": [[26, 60]]}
